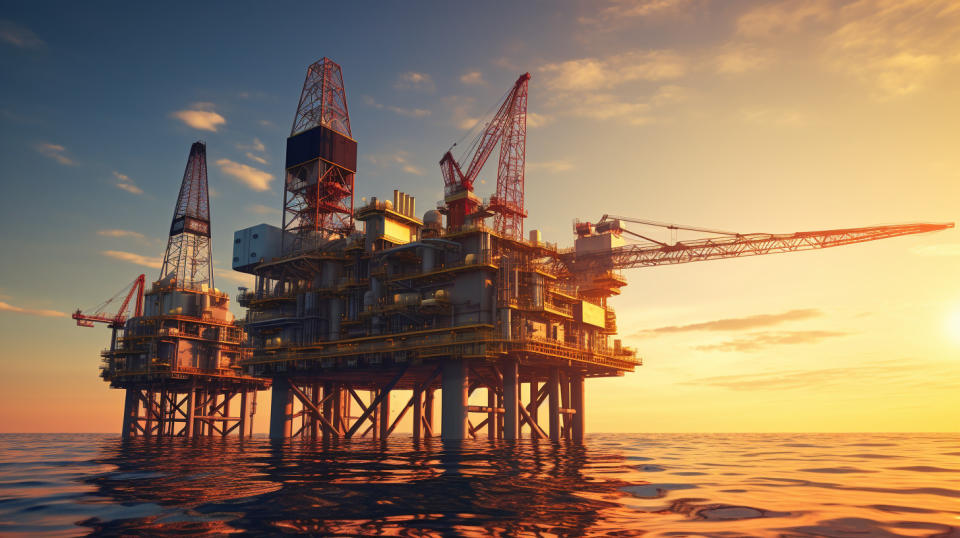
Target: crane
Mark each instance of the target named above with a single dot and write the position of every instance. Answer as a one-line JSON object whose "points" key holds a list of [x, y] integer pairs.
{"points": [[508, 127], [100, 315], [723, 245]]}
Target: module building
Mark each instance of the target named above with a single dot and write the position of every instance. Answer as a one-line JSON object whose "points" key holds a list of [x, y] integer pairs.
{"points": [[350, 304]]}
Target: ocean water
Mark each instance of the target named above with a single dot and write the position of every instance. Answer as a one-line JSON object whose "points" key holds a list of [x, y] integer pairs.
{"points": [[839, 485]]}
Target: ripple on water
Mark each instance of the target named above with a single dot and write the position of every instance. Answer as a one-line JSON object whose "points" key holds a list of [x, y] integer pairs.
{"points": [[743, 484]]}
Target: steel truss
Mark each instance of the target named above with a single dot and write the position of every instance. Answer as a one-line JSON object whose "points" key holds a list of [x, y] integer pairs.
{"points": [[344, 407], [192, 411]]}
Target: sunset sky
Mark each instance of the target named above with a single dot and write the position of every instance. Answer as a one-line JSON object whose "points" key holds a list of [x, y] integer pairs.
{"points": [[749, 116]]}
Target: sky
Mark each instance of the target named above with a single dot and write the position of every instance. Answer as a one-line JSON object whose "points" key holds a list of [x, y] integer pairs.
{"points": [[775, 117]]}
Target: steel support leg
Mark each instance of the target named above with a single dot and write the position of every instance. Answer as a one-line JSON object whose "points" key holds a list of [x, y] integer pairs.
{"points": [[428, 412], [417, 414], [553, 389], [384, 415], [577, 400], [188, 429], [511, 399], [534, 407], [131, 404], [453, 422], [328, 408], [281, 408], [243, 414]]}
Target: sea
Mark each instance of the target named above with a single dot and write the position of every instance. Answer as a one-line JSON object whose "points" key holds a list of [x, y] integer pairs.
{"points": [[837, 485]]}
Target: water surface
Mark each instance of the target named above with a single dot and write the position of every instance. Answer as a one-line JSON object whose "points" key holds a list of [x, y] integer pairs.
{"points": [[614, 485]]}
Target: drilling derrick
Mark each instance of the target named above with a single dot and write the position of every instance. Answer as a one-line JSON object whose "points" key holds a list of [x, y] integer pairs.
{"points": [[187, 258], [507, 328], [178, 357], [320, 163]]}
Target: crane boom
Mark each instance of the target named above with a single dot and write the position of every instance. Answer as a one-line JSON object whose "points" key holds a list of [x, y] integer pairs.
{"points": [[508, 127], [630, 256], [115, 320]]}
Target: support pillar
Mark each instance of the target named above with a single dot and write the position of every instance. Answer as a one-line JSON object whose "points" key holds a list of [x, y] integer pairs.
{"points": [[327, 410], [565, 404], [553, 390], [339, 422], [417, 414], [492, 421], [374, 416], [149, 409], [281, 408], [315, 400], [534, 406], [188, 428], [577, 400], [453, 422], [131, 404], [225, 412], [384, 414], [511, 400], [243, 414], [428, 412]]}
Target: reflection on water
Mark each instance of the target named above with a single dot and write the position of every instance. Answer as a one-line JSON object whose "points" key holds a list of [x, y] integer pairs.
{"points": [[623, 485]]}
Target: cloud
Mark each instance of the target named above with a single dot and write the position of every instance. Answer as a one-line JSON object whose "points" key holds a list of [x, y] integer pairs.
{"points": [[472, 78], [461, 111], [136, 259], [261, 209], [7, 307], [256, 146], [605, 106], [399, 159], [535, 120], [412, 80], [587, 74], [799, 379], [778, 18], [201, 116], [761, 340], [121, 233], [254, 178], [55, 152], [256, 158], [893, 46], [945, 249], [18, 36], [125, 183], [550, 166], [737, 324], [408, 112], [622, 10]]}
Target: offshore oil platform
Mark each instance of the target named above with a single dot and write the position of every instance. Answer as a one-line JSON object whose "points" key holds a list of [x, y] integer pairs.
{"points": [[352, 304], [179, 355]]}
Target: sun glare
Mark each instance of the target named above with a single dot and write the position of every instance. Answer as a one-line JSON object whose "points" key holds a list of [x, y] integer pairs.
{"points": [[953, 326]]}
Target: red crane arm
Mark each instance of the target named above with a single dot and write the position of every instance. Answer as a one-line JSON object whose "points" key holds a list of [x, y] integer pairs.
{"points": [[741, 245], [99, 316], [452, 172]]}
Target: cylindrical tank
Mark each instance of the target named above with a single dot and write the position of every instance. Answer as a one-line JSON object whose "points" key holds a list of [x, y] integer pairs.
{"points": [[536, 289], [428, 259], [335, 309]]}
